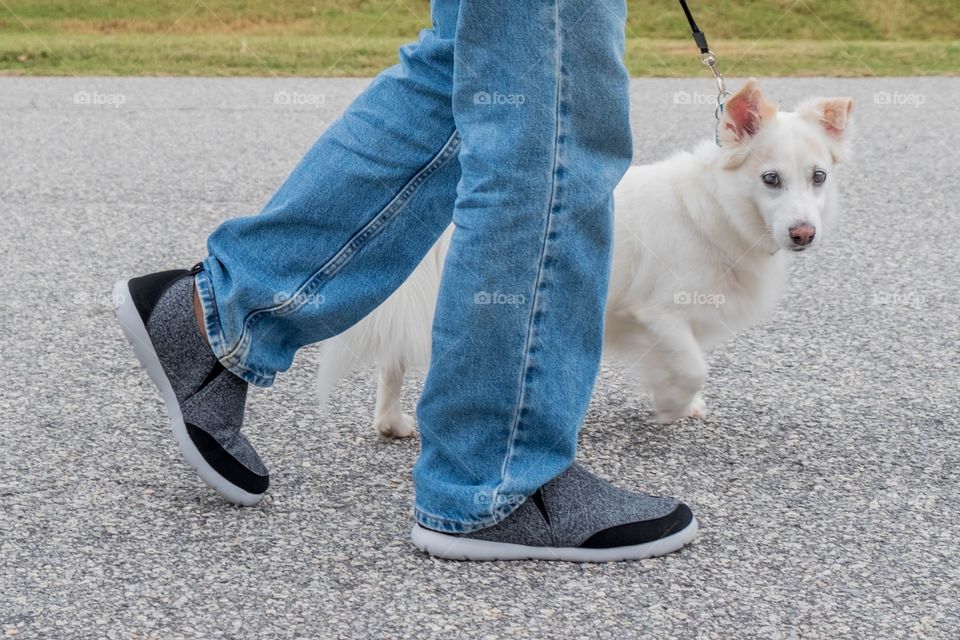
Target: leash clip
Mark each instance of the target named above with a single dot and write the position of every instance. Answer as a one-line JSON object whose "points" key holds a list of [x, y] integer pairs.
{"points": [[710, 60]]}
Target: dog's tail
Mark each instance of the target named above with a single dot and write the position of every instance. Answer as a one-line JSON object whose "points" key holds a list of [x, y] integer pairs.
{"points": [[395, 334]]}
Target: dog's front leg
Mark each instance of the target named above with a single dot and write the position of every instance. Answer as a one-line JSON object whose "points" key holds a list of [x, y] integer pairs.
{"points": [[682, 370], [389, 418]]}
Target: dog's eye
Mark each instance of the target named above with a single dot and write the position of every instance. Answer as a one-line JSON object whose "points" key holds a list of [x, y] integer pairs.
{"points": [[819, 176], [771, 179]]}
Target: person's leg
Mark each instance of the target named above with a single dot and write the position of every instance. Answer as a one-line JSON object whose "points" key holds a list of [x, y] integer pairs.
{"points": [[541, 103], [349, 224]]}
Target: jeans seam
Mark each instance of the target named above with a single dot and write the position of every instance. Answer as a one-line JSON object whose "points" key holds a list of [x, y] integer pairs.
{"points": [[515, 422], [346, 252]]}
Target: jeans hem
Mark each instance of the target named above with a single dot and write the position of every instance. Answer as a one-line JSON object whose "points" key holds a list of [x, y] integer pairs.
{"points": [[233, 362], [448, 525]]}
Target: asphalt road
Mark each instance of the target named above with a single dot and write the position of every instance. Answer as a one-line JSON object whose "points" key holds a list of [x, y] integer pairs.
{"points": [[826, 479]]}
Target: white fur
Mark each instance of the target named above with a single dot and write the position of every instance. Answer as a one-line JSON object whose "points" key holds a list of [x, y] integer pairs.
{"points": [[700, 252]]}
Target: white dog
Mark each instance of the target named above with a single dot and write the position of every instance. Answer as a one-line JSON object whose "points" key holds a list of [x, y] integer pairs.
{"points": [[700, 251]]}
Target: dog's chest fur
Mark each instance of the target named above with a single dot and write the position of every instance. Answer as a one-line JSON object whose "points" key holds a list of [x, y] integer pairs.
{"points": [[679, 259]]}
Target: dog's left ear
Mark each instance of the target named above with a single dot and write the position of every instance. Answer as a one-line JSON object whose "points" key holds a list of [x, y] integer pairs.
{"points": [[833, 114]]}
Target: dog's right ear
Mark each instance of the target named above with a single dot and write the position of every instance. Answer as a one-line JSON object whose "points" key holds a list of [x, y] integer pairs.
{"points": [[744, 113]]}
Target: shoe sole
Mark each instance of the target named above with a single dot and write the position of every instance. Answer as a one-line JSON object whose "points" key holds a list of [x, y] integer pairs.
{"points": [[451, 547], [136, 334]]}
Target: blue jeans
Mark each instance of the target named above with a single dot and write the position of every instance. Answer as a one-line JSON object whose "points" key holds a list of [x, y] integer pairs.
{"points": [[510, 119]]}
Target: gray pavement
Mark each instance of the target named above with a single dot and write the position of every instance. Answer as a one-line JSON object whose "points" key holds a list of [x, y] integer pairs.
{"points": [[825, 480]]}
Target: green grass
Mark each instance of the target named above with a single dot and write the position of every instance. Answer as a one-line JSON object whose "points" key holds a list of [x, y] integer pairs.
{"points": [[360, 37]]}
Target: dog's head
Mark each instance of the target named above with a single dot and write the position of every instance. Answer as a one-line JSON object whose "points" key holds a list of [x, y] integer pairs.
{"points": [[783, 163]]}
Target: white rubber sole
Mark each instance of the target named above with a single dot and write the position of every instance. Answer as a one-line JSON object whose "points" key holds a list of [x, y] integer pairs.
{"points": [[139, 339], [457, 548]]}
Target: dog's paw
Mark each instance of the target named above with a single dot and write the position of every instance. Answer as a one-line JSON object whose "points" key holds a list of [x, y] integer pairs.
{"points": [[696, 409], [667, 417], [396, 426]]}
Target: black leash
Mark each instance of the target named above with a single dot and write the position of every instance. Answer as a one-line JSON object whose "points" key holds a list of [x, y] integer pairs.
{"points": [[698, 36], [707, 57]]}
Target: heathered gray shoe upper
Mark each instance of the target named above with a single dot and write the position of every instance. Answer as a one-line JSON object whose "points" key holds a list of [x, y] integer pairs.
{"points": [[211, 398], [571, 508]]}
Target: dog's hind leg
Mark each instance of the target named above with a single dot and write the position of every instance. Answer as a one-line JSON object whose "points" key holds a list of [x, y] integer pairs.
{"points": [[389, 418], [336, 361]]}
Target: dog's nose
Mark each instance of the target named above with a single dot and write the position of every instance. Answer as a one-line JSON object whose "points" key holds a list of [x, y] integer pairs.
{"points": [[802, 234]]}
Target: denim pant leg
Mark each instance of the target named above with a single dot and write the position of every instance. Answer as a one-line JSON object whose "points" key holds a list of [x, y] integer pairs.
{"points": [[540, 95], [350, 223], [541, 103]]}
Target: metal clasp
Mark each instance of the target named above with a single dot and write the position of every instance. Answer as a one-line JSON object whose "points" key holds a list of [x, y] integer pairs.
{"points": [[710, 60]]}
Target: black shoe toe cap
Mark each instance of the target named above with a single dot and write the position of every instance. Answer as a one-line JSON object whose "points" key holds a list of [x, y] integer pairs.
{"points": [[225, 464], [633, 533]]}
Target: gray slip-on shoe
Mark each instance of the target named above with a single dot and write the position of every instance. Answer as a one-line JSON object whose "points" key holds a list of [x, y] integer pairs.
{"points": [[204, 401], [576, 517]]}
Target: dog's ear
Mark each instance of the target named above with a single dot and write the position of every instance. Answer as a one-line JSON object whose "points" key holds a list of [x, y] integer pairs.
{"points": [[833, 114], [744, 113]]}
